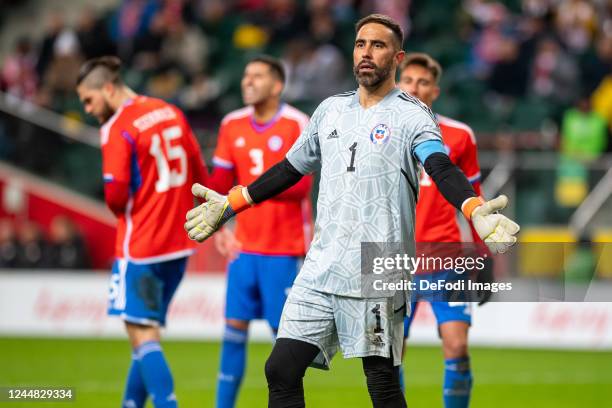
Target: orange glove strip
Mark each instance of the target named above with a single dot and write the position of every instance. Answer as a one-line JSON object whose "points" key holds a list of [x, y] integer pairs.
{"points": [[470, 205], [237, 199]]}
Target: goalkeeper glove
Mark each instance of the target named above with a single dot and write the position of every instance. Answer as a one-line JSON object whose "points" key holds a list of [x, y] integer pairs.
{"points": [[496, 230], [206, 218]]}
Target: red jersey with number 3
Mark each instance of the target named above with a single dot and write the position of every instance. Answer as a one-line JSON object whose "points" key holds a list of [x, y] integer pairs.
{"points": [[436, 218], [149, 145], [281, 225]]}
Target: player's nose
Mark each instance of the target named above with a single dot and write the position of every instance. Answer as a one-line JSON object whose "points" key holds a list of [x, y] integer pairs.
{"points": [[367, 52]]}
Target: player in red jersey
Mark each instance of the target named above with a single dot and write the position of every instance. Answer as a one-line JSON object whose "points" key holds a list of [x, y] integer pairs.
{"points": [[271, 238], [437, 221], [150, 158]]}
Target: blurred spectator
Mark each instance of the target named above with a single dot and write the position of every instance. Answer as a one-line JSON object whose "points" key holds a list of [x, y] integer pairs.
{"points": [[602, 99], [283, 19], [583, 139], [485, 12], [576, 24], [199, 93], [584, 133], [345, 11], [55, 25], [323, 28], [399, 10], [33, 249], [537, 8], [9, 246], [554, 74], [314, 73], [7, 142], [67, 246], [165, 84], [509, 75], [250, 5], [597, 64], [493, 40], [18, 76], [58, 83], [92, 34], [132, 21], [185, 47]]}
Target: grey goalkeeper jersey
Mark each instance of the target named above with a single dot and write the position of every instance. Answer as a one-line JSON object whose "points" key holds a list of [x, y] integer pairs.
{"points": [[369, 182]]}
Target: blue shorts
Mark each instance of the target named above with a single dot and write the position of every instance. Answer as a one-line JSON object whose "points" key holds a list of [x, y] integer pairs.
{"points": [[258, 285], [141, 293], [443, 310]]}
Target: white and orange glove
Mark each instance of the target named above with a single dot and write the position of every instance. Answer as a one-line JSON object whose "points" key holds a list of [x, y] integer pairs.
{"points": [[496, 230], [206, 218]]}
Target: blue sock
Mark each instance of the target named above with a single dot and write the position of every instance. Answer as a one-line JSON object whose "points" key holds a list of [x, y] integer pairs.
{"points": [[156, 375], [135, 390], [233, 360], [457, 382], [401, 378]]}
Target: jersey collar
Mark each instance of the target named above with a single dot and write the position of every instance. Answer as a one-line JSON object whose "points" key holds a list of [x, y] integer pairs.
{"points": [[262, 127], [383, 102]]}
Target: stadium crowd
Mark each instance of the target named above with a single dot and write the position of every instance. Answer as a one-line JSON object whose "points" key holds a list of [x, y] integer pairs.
{"points": [[25, 245], [517, 62]]}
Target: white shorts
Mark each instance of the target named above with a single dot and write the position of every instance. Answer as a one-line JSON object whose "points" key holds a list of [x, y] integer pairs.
{"points": [[360, 327]]}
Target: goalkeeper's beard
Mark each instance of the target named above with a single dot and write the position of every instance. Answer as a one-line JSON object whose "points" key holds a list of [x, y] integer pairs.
{"points": [[372, 79]]}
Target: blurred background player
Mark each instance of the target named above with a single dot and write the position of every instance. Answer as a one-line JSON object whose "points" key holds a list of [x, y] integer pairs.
{"points": [[150, 158], [436, 221], [271, 238]]}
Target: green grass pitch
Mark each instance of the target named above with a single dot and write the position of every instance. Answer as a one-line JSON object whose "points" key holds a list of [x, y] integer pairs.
{"points": [[503, 378]]}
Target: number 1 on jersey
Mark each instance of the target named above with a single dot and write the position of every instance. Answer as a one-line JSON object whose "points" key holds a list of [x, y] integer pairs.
{"points": [[353, 150]]}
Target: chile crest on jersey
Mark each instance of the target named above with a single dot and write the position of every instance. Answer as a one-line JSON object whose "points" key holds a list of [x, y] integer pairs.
{"points": [[380, 134]]}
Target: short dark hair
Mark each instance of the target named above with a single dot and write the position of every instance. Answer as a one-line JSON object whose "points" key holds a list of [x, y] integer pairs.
{"points": [[425, 61], [387, 22], [274, 63], [98, 71]]}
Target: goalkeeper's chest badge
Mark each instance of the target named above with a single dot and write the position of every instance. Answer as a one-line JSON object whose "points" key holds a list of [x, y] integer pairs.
{"points": [[380, 134]]}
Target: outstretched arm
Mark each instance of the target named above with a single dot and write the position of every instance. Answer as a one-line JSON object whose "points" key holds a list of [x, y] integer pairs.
{"points": [[496, 230], [206, 218]]}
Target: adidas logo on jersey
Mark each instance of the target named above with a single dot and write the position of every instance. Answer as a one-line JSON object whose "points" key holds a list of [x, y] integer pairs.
{"points": [[333, 135]]}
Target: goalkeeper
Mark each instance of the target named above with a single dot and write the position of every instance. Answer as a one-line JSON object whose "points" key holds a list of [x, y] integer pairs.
{"points": [[368, 144]]}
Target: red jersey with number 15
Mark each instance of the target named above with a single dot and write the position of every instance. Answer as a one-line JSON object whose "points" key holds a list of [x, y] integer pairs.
{"points": [[436, 218], [246, 149], [149, 150]]}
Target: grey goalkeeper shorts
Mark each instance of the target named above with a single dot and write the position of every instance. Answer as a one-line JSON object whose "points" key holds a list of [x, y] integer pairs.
{"points": [[359, 327]]}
